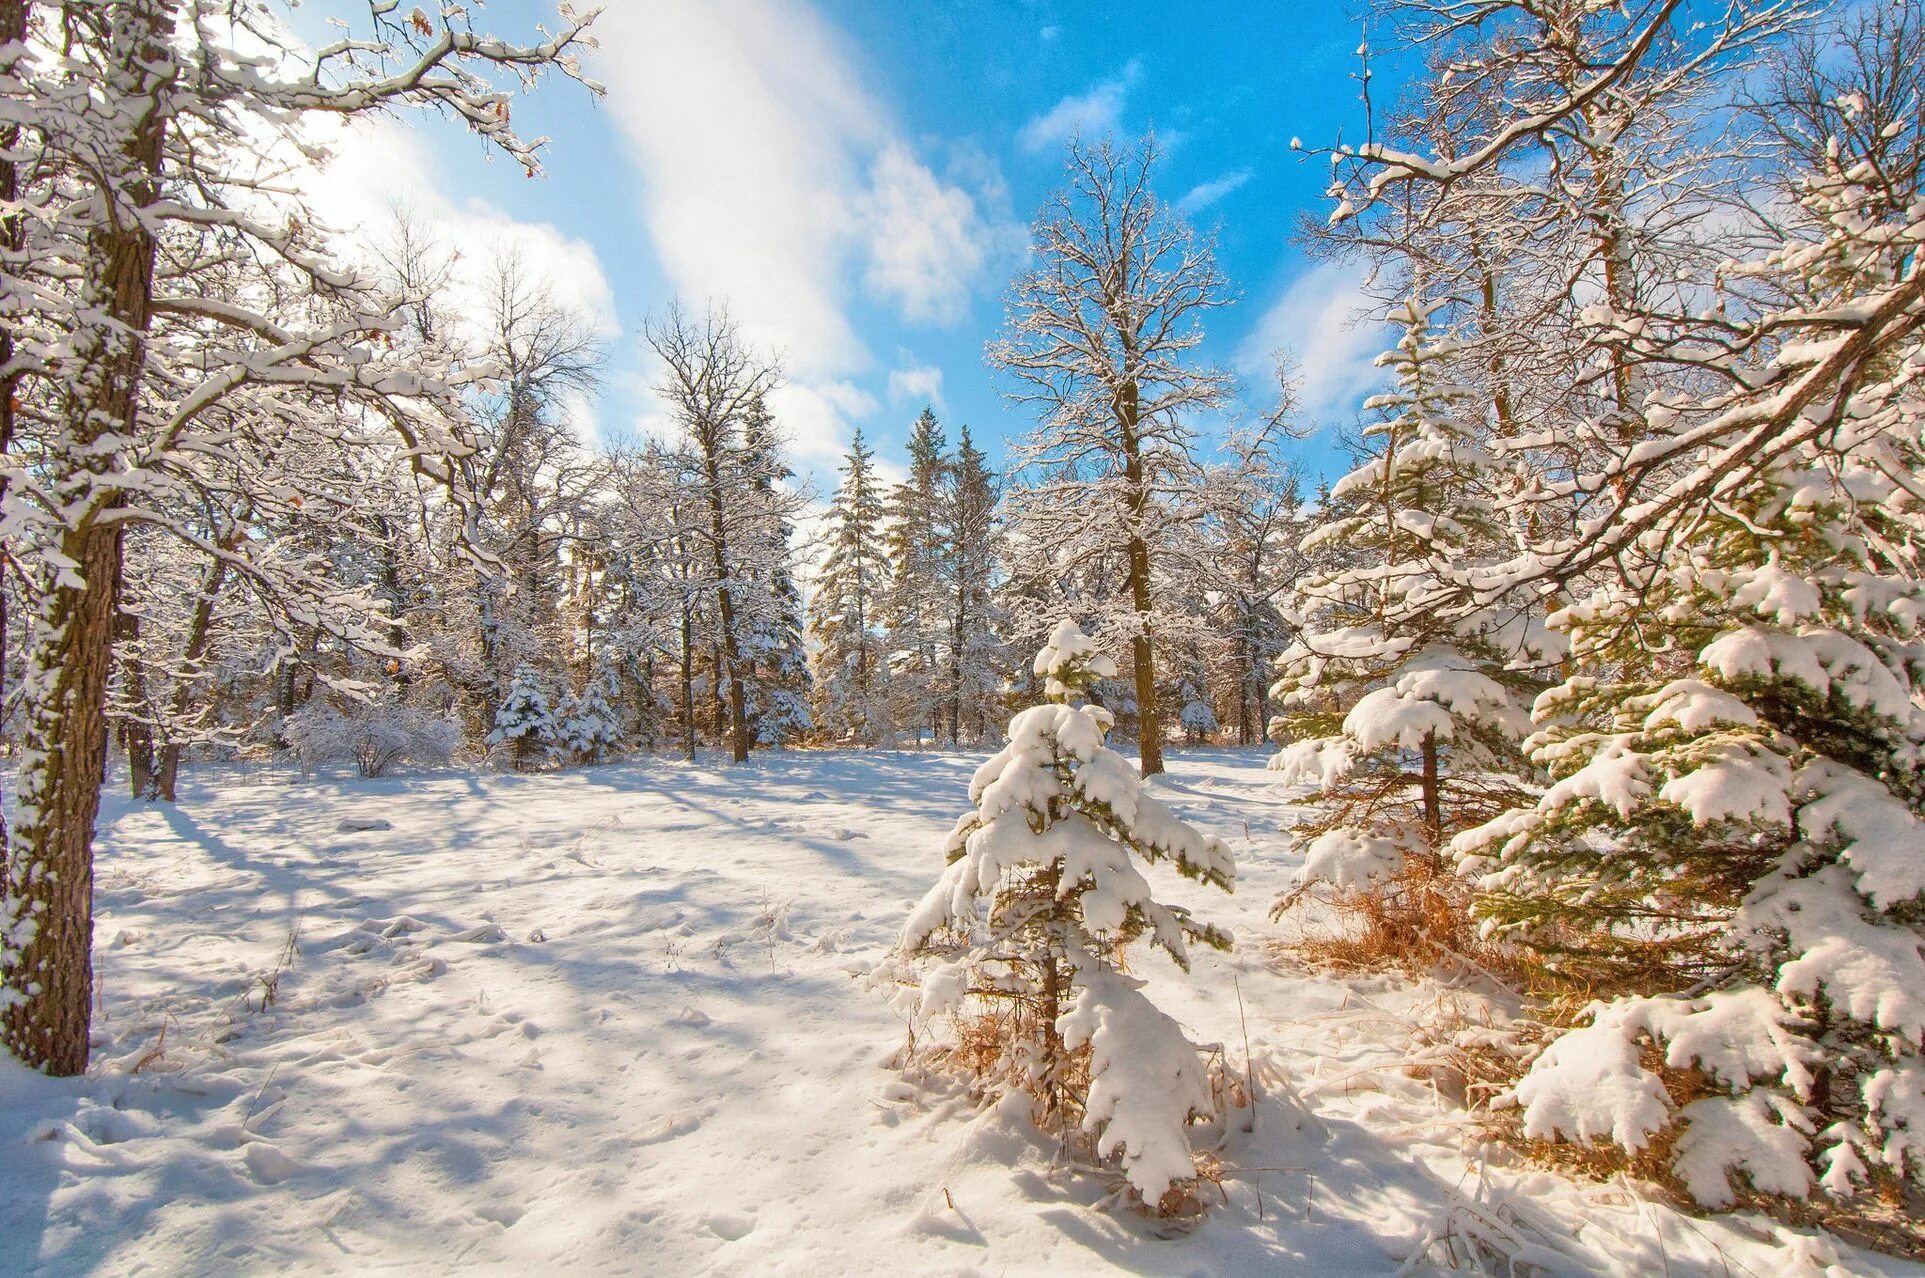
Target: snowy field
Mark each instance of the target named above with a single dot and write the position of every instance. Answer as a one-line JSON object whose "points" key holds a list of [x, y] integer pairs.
{"points": [[615, 1020]]}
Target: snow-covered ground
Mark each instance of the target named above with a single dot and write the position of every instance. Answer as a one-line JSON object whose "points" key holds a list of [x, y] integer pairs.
{"points": [[615, 1020]]}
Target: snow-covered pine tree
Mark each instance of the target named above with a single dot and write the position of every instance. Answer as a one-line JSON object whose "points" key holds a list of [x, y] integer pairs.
{"points": [[1734, 840], [850, 675], [589, 725], [1030, 920], [912, 605], [1406, 721], [525, 722]]}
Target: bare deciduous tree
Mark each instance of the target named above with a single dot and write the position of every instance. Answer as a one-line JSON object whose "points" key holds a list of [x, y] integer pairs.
{"points": [[1101, 338]]}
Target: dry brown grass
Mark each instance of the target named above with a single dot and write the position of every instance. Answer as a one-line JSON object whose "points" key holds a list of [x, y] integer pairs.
{"points": [[1410, 921]]}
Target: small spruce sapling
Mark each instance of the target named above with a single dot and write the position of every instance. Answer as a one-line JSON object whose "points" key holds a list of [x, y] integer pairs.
{"points": [[590, 726], [525, 721], [1041, 896]]}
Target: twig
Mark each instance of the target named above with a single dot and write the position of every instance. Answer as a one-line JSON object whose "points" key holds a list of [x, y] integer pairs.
{"points": [[1249, 1070]]}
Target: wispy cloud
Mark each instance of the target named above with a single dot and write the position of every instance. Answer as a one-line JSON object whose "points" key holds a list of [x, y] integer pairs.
{"points": [[770, 178], [1315, 321], [1203, 195], [381, 168], [1092, 114]]}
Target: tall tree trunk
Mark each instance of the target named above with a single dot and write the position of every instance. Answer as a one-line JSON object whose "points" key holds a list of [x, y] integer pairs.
{"points": [[688, 681], [1149, 725], [136, 734], [50, 870], [13, 32], [1433, 802], [1246, 664], [731, 656]]}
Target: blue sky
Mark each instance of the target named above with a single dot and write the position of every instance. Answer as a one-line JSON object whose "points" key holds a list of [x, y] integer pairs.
{"points": [[855, 178]]}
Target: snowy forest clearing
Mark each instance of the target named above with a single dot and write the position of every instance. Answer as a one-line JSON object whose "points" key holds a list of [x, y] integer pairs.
{"points": [[613, 1020]]}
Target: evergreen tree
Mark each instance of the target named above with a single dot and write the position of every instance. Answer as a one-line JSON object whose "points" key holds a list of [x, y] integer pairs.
{"points": [[777, 676], [1407, 721], [976, 673], [912, 605], [525, 722], [590, 727], [1042, 894], [850, 678]]}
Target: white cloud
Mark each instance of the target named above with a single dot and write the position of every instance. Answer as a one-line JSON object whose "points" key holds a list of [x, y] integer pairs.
{"points": [[1315, 322], [738, 116], [1203, 195], [816, 417], [770, 178], [916, 384], [927, 243], [1091, 114]]}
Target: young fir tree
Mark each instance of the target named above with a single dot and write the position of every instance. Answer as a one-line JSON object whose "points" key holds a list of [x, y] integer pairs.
{"points": [[844, 612], [1408, 725], [1042, 894], [525, 722], [912, 604], [590, 725], [1733, 841]]}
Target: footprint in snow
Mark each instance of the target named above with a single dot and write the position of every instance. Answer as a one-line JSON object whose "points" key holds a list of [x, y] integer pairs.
{"points": [[503, 1214], [668, 1127]]}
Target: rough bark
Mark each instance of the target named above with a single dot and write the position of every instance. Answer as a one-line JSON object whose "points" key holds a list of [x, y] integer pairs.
{"points": [[50, 871], [688, 682], [136, 734], [1433, 801]]}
